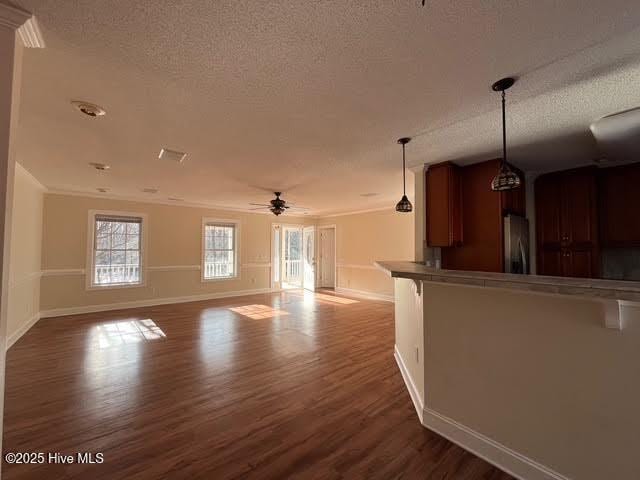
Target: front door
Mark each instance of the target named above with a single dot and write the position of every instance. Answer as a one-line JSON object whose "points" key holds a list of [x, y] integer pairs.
{"points": [[309, 258]]}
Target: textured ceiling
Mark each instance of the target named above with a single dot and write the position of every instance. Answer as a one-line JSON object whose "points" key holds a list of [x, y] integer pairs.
{"points": [[308, 97]]}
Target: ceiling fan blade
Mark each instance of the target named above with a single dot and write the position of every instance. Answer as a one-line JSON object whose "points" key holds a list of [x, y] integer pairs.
{"points": [[259, 208], [260, 204], [299, 208]]}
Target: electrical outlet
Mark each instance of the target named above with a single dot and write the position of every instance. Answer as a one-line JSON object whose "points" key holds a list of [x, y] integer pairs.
{"points": [[253, 280]]}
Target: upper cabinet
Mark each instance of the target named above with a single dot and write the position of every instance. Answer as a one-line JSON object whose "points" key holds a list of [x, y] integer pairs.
{"points": [[443, 205], [482, 248], [619, 198], [566, 223]]}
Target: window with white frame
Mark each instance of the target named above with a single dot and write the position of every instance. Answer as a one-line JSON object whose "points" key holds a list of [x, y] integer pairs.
{"points": [[117, 250], [220, 250]]}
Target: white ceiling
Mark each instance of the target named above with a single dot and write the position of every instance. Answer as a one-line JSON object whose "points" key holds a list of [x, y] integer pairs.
{"points": [[308, 97]]}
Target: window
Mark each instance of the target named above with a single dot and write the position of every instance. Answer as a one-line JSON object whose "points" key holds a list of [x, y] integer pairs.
{"points": [[116, 256], [220, 250]]}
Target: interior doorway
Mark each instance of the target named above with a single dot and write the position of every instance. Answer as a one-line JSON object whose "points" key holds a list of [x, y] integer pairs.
{"points": [[309, 258], [287, 256], [327, 257]]}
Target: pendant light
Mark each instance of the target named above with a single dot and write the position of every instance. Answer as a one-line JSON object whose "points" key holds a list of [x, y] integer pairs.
{"points": [[404, 205], [506, 179]]}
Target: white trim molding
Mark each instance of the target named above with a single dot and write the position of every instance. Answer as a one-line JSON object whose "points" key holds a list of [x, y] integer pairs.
{"points": [[216, 209], [24, 328], [25, 278], [24, 23], [62, 272], [173, 268], [60, 312], [357, 266], [365, 295], [356, 212], [30, 34], [484, 447], [410, 384], [30, 177]]}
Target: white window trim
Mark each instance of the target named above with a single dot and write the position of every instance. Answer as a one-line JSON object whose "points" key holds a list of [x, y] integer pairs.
{"points": [[91, 238], [236, 238]]}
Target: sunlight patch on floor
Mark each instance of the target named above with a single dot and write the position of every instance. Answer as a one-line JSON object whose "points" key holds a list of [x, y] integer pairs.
{"points": [[334, 299], [126, 332], [258, 312], [310, 297]]}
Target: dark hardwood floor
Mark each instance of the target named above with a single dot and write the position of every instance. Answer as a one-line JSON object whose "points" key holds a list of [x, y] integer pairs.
{"points": [[291, 385]]}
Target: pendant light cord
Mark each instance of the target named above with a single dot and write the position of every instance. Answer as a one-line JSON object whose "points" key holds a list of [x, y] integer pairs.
{"points": [[504, 132], [404, 183]]}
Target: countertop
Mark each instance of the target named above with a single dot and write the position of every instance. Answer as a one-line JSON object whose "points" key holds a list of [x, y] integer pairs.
{"points": [[584, 287]]}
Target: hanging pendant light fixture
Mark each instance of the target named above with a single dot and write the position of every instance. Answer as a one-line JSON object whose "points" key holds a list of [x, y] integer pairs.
{"points": [[506, 179], [404, 205]]}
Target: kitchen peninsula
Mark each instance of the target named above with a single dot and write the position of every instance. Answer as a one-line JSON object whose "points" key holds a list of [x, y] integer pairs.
{"points": [[523, 370]]}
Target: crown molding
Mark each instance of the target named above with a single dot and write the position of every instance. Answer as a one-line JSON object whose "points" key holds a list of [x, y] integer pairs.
{"points": [[187, 204], [356, 212], [30, 34], [20, 170], [24, 23]]}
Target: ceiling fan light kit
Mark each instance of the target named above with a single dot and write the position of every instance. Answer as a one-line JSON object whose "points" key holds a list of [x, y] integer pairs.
{"points": [[277, 206]]}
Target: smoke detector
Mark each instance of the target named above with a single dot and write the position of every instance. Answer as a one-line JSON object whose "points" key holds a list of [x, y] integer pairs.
{"points": [[89, 109], [102, 190], [100, 166], [172, 155]]}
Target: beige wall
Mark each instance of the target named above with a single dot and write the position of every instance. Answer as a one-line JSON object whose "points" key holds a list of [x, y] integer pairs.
{"points": [[538, 374], [363, 238], [174, 249], [26, 245], [173, 253]]}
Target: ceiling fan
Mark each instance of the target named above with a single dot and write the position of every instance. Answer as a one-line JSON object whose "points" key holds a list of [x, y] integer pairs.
{"points": [[277, 206]]}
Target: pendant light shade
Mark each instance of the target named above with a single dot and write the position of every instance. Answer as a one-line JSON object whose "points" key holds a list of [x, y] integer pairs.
{"points": [[404, 205], [506, 179]]}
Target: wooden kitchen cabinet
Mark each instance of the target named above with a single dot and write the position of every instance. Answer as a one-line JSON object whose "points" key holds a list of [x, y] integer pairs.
{"points": [[619, 199], [483, 213], [443, 205], [566, 223]]}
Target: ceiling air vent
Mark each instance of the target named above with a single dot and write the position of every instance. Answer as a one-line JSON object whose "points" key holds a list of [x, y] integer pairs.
{"points": [[99, 166], [150, 190], [172, 155]]}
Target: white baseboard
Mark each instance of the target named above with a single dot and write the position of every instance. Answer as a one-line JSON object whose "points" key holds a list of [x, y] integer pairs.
{"points": [[60, 312], [408, 381], [364, 294], [493, 452], [24, 328]]}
